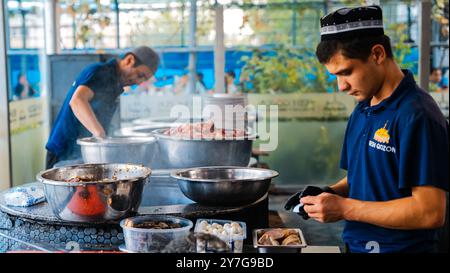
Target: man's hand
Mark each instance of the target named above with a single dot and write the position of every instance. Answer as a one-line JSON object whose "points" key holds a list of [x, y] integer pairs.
{"points": [[324, 207], [100, 133]]}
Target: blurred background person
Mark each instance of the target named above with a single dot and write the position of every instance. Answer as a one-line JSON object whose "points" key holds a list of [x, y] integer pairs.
{"points": [[230, 87], [181, 85], [437, 83], [23, 89]]}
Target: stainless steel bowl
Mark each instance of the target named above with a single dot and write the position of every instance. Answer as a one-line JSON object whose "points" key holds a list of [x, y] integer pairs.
{"points": [[145, 127], [138, 131], [177, 153], [224, 186], [165, 121], [115, 191], [134, 150]]}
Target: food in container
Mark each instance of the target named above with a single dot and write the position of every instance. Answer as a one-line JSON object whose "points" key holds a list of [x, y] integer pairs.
{"points": [[231, 232], [278, 240], [94, 193], [154, 233], [154, 225], [206, 130]]}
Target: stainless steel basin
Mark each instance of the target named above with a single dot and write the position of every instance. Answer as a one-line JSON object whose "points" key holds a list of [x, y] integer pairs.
{"points": [[114, 191], [224, 186], [134, 150], [176, 153]]}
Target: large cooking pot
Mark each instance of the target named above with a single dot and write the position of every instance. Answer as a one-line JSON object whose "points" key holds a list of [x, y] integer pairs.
{"points": [[177, 153], [224, 186], [145, 126], [135, 150], [113, 191]]}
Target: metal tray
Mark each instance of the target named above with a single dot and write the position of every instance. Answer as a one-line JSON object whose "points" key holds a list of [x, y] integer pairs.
{"points": [[280, 249]]}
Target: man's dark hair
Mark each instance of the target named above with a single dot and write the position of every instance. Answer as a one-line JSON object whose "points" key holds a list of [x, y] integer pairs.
{"points": [[231, 73], [433, 68], [356, 48], [144, 55]]}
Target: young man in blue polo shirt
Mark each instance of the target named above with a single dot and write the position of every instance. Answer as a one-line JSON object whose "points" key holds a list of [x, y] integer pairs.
{"points": [[395, 149], [92, 101]]}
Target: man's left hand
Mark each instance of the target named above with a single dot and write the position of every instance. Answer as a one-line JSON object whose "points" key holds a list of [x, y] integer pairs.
{"points": [[325, 207]]}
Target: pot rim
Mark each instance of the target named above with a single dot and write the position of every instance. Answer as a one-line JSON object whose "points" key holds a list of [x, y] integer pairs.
{"points": [[177, 174], [157, 217], [158, 133], [109, 141], [44, 180]]}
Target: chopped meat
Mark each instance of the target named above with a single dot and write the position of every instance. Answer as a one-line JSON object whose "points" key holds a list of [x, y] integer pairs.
{"points": [[291, 240], [80, 179], [154, 225], [276, 233], [203, 130], [278, 236]]}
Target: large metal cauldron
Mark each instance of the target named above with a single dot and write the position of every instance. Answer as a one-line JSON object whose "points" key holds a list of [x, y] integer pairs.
{"points": [[179, 153], [224, 186], [135, 150], [114, 191]]}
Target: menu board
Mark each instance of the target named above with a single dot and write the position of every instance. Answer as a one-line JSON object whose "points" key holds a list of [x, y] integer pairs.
{"points": [[26, 114]]}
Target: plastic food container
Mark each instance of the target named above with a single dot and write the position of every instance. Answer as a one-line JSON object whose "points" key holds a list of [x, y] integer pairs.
{"points": [[257, 233], [226, 230], [139, 239]]}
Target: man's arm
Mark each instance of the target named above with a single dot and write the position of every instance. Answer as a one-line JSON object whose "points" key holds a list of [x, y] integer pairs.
{"points": [[425, 209], [83, 110], [341, 187]]}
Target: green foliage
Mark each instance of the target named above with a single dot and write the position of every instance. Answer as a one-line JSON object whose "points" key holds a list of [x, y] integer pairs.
{"points": [[399, 38], [90, 22], [298, 70], [289, 70]]}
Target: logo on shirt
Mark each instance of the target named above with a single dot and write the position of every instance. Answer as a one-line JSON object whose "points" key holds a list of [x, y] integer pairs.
{"points": [[382, 137]]}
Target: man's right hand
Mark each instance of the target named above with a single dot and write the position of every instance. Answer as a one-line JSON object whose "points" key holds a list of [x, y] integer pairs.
{"points": [[100, 133], [294, 200]]}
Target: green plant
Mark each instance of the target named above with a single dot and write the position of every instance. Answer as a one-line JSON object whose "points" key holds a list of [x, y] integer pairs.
{"points": [[284, 70], [90, 22], [400, 47]]}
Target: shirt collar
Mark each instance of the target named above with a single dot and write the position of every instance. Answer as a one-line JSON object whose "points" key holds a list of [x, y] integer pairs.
{"points": [[394, 99]]}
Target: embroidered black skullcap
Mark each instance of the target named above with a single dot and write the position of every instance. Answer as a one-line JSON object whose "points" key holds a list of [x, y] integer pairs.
{"points": [[345, 23]]}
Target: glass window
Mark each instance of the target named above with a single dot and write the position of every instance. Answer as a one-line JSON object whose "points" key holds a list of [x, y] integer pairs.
{"points": [[88, 24], [27, 107]]}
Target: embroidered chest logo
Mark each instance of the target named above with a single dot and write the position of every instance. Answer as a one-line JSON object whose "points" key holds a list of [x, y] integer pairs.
{"points": [[382, 137]]}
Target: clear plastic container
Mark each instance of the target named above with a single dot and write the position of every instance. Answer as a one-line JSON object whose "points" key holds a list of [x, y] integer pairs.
{"points": [[234, 241], [153, 239]]}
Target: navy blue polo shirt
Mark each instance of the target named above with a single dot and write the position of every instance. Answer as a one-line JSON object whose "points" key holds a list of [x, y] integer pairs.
{"points": [[389, 148], [103, 80]]}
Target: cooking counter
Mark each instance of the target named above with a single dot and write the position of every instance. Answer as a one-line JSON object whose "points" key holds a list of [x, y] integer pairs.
{"points": [[20, 232]]}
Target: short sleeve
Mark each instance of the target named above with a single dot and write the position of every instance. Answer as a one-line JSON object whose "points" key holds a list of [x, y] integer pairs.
{"points": [[93, 77], [424, 153]]}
